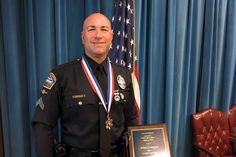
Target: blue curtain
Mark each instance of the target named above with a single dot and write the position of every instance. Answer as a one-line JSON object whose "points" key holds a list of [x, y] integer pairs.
{"points": [[186, 56], [187, 62], [36, 35]]}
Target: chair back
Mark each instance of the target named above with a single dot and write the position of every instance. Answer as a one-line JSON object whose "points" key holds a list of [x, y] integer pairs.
{"points": [[211, 132], [232, 120], [232, 123]]}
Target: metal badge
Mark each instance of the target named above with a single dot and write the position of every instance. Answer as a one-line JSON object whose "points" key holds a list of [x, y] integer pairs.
{"points": [[43, 91], [121, 82], [78, 96], [117, 97], [122, 96], [50, 81]]}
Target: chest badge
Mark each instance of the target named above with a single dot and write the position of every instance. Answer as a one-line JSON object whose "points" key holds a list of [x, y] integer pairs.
{"points": [[121, 82]]}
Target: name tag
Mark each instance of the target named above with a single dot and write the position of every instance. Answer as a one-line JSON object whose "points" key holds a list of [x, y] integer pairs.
{"points": [[78, 96]]}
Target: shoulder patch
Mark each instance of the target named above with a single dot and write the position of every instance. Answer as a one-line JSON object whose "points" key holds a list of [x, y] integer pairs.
{"points": [[50, 81]]}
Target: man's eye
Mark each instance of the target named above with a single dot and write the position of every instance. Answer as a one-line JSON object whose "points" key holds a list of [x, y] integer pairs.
{"points": [[104, 30], [91, 29]]}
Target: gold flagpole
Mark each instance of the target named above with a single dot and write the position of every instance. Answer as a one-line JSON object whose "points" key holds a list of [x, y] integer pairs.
{"points": [[134, 45]]}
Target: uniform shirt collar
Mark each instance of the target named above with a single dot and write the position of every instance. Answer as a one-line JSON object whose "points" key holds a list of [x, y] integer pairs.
{"points": [[94, 64]]}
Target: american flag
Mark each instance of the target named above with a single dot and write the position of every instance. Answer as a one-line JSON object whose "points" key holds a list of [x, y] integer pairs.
{"points": [[123, 47]]}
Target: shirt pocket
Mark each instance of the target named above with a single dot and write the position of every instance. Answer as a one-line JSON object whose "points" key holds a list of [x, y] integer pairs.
{"points": [[78, 99], [79, 108]]}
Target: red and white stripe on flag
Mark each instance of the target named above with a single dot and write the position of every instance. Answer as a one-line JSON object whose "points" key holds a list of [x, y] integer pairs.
{"points": [[136, 90], [123, 46]]}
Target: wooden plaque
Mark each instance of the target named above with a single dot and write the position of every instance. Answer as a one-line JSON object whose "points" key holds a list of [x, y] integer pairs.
{"points": [[149, 141]]}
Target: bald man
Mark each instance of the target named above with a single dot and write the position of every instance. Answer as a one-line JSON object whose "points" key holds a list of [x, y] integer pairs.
{"points": [[91, 97]]}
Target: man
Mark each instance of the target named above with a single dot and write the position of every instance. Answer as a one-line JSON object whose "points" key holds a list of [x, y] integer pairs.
{"points": [[92, 97]]}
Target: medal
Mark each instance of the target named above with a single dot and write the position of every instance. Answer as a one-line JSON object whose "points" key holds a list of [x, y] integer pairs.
{"points": [[106, 102], [108, 122]]}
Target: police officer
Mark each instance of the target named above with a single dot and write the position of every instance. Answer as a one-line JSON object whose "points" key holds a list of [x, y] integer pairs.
{"points": [[91, 97]]}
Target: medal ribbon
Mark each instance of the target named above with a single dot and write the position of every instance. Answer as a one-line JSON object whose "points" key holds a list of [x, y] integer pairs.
{"points": [[96, 86]]}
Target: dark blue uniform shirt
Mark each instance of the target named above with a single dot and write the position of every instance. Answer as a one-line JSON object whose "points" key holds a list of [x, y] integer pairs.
{"points": [[68, 96]]}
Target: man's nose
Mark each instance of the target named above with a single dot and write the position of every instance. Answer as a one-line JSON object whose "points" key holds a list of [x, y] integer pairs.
{"points": [[98, 34]]}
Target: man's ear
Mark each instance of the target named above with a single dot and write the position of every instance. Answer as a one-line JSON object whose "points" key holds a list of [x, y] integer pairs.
{"points": [[112, 33], [82, 37]]}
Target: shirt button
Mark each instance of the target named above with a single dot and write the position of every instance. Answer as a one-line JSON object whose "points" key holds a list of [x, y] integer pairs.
{"points": [[80, 103]]}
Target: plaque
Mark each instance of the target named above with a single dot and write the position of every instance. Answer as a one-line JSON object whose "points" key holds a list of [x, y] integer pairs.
{"points": [[149, 141]]}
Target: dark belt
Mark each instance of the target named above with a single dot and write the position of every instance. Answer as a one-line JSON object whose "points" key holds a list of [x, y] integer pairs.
{"points": [[80, 152]]}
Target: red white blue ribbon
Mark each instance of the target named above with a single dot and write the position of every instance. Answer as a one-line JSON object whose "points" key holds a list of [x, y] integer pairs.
{"points": [[96, 86]]}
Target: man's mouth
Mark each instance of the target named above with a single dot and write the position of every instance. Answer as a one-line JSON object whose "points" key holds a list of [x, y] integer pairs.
{"points": [[98, 43]]}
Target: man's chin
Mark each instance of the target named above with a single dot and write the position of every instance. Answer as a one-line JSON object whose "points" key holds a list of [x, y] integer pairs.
{"points": [[100, 52]]}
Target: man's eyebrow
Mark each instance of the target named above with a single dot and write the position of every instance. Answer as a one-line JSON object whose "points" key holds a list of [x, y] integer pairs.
{"points": [[104, 27], [88, 27]]}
